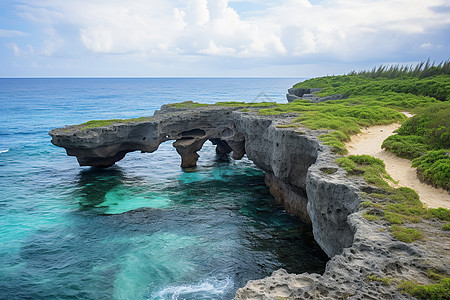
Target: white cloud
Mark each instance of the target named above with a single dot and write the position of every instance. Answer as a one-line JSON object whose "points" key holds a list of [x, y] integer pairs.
{"points": [[346, 29], [6, 33], [25, 51]]}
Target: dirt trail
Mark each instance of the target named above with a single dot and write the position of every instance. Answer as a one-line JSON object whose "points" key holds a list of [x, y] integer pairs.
{"points": [[369, 142]]}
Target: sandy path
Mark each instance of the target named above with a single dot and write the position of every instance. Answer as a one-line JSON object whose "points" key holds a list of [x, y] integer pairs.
{"points": [[369, 142]]}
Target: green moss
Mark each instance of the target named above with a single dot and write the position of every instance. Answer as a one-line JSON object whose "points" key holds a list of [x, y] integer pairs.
{"points": [[438, 291], [407, 235], [287, 126], [370, 216], [245, 104], [103, 123], [433, 274], [446, 227], [384, 280], [329, 171]]}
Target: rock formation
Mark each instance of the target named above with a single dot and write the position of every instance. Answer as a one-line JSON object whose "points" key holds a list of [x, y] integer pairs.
{"points": [[301, 174], [309, 94]]}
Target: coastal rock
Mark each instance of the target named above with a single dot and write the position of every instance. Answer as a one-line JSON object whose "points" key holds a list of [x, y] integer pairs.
{"points": [[309, 94], [301, 174]]}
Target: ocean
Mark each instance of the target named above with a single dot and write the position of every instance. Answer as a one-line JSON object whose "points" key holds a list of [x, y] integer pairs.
{"points": [[144, 228]]}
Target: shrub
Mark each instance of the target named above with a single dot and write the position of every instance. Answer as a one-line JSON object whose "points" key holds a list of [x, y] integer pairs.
{"points": [[440, 213], [406, 146], [446, 227], [434, 167]]}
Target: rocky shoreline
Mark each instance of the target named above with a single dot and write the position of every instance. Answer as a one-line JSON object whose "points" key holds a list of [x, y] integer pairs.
{"points": [[301, 174]]}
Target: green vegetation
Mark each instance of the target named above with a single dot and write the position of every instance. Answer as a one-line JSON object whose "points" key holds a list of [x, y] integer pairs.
{"points": [[407, 235], [371, 215], [186, 104], [434, 167], [384, 280], [438, 291], [287, 126], [397, 206], [345, 117], [103, 123], [446, 227], [347, 85], [371, 168], [415, 89], [191, 104], [440, 213], [421, 70], [426, 139]]}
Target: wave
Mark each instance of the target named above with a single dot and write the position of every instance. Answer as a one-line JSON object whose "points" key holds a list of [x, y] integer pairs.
{"points": [[4, 151], [203, 290]]}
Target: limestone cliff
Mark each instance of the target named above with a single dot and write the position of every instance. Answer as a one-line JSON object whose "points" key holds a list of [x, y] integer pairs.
{"points": [[301, 174]]}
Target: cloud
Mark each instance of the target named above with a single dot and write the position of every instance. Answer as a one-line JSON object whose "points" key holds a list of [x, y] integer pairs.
{"points": [[300, 30], [18, 51], [6, 33]]}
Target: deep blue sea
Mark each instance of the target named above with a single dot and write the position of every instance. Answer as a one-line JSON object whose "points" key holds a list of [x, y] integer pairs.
{"points": [[145, 228]]}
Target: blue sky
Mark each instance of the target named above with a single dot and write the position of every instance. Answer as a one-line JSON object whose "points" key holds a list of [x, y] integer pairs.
{"points": [[218, 38]]}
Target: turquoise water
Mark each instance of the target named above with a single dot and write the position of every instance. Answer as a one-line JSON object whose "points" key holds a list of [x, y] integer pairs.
{"points": [[145, 228]]}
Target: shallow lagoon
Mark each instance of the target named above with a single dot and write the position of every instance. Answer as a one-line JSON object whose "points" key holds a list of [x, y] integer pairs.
{"points": [[143, 229]]}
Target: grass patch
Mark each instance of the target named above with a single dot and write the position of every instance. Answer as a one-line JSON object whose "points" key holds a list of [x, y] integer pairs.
{"points": [[103, 123], [398, 206], [346, 117], [407, 235], [446, 227], [440, 213], [287, 126], [371, 168], [187, 104], [370, 215], [366, 204], [438, 291], [384, 280], [192, 104]]}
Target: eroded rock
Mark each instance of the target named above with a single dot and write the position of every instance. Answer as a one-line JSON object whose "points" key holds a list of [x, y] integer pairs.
{"points": [[302, 175]]}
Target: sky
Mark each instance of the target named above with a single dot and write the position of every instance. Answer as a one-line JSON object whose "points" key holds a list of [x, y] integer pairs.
{"points": [[217, 38]]}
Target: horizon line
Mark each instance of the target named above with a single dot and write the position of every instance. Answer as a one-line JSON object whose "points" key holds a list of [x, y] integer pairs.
{"points": [[148, 77]]}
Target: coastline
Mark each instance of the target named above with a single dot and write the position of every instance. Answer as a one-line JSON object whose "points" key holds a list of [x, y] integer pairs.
{"points": [[301, 172]]}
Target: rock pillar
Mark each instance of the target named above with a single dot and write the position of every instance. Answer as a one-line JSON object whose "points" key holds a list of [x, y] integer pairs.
{"points": [[187, 148]]}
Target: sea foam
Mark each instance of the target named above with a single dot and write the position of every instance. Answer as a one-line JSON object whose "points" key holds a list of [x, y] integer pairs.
{"points": [[207, 289]]}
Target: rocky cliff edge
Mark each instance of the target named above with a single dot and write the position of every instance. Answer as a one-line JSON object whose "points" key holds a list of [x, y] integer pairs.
{"points": [[301, 174]]}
